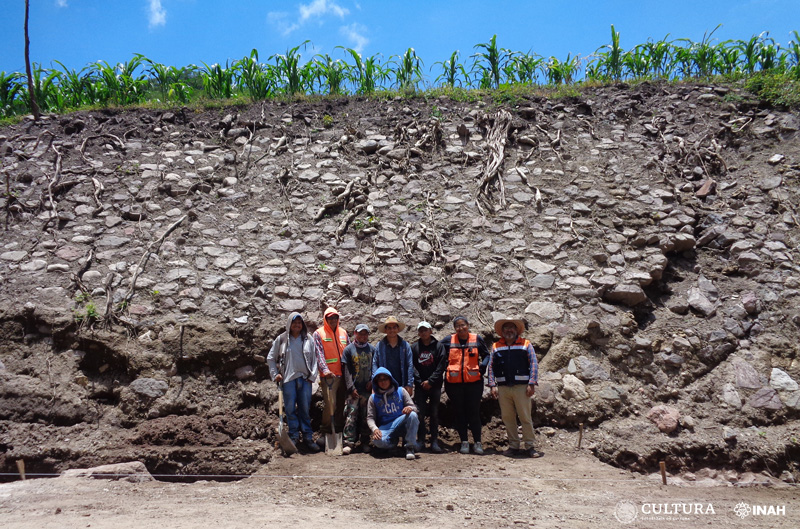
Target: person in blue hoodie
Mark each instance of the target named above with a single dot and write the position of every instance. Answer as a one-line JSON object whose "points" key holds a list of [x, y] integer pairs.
{"points": [[391, 414]]}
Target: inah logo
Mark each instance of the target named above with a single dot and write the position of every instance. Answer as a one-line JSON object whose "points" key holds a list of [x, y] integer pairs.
{"points": [[742, 510], [625, 511]]}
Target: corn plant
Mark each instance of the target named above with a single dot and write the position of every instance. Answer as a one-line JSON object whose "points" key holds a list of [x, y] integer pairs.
{"points": [[407, 70], [217, 81], [700, 58], [661, 57], [10, 87], [46, 89], [609, 62], [76, 87], [366, 74], [451, 70], [491, 61], [120, 84], [331, 74], [256, 78], [524, 68], [288, 70], [559, 72], [794, 56]]}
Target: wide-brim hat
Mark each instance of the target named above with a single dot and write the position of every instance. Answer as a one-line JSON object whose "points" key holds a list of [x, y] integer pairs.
{"points": [[498, 326], [391, 319]]}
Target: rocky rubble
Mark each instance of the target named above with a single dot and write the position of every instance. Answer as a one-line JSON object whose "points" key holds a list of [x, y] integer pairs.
{"points": [[648, 238]]}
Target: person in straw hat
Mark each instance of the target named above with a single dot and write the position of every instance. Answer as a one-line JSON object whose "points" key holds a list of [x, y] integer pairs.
{"points": [[512, 376], [394, 353]]}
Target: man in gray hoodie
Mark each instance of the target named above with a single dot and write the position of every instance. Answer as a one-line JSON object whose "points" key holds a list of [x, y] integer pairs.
{"points": [[292, 362]]}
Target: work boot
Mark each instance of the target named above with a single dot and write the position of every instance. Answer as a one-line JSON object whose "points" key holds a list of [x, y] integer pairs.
{"points": [[312, 446], [435, 448], [532, 452], [511, 452], [478, 449], [346, 450], [464, 448]]}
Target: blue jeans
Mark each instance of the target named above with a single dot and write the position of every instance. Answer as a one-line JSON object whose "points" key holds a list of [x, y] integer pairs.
{"points": [[297, 402], [404, 426]]}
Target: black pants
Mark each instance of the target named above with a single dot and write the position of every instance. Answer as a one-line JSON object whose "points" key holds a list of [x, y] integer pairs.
{"points": [[428, 406], [466, 400]]}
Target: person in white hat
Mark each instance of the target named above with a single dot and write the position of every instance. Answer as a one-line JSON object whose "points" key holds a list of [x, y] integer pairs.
{"points": [[512, 376], [394, 353]]}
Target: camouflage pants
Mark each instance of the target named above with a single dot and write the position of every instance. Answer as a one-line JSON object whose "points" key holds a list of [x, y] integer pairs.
{"points": [[355, 412]]}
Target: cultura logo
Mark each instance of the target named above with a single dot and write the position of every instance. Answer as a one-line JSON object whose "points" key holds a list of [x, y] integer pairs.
{"points": [[742, 510], [626, 511]]}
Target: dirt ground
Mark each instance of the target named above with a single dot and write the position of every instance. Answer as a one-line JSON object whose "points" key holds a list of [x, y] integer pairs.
{"points": [[567, 489]]}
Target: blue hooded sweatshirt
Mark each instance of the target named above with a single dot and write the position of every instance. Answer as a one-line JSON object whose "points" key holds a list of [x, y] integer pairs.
{"points": [[388, 404]]}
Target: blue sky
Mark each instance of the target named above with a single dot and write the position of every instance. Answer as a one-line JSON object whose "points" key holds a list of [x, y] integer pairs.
{"points": [[181, 32]]}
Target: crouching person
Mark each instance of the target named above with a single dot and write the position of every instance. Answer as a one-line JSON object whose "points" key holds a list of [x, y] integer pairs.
{"points": [[391, 414]]}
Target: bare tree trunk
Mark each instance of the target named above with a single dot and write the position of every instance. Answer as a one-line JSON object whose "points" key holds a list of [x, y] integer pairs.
{"points": [[34, 106]]}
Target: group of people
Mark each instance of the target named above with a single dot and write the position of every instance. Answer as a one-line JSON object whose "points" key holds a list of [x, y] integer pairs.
{"points": [[376, 394]]}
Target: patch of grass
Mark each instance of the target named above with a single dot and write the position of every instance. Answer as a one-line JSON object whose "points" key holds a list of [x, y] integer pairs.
{"points": [[327, 121], [777, 89]]}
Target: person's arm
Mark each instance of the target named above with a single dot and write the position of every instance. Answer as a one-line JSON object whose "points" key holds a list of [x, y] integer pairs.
{"points": [[272, 358], [408, 402], [308, 343], [490, 371], [415, 362], [483, 351], [322, 365], [534, 367], [371, 414], [347, 361], [409, 375], [440, 357]]}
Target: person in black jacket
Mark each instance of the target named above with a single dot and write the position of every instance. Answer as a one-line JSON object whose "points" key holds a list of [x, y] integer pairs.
{"points": [[429, 362]]}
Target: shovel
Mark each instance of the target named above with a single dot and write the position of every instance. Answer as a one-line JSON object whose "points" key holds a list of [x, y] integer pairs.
{"points": [[284, 440], [333, 441]]}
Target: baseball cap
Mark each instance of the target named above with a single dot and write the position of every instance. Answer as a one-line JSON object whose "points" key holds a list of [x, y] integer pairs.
{"points": [[362, 327], [424, 324]]}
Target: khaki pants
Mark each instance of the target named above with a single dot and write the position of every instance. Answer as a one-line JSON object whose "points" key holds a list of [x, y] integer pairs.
{"points": [[514, 403], [333, 397]]}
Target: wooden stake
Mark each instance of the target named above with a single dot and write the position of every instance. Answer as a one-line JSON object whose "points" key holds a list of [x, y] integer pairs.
{"points": [[580, 435], [663, 468], [21, 468]]}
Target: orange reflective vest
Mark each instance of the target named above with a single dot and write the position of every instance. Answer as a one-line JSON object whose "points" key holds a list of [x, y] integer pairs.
{"points": [[333, 347], [464, 361]]}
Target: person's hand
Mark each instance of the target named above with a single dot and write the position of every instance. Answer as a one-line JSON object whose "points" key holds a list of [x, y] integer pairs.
{"points": [[329, 374], [377, 434], [426, 386], [530, 390], [407, 410], [278, 378], [369, 386], [410, 390], [494, 392], [354, 393]]}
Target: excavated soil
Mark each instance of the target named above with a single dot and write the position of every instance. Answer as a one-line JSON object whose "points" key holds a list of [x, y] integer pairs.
{"points": [[648, 235]]}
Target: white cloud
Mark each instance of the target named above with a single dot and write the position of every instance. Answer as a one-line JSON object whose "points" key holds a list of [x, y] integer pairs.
{"points": [[280, 21], [156, 14], [354, 33], [317, 9], [61, 3]]}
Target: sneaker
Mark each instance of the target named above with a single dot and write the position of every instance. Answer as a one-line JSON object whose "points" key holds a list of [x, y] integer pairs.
{"points": [[478, 449], [464, 448], [346, 450], [410, 454], [435, 448], [366, 447], [312, 446]]}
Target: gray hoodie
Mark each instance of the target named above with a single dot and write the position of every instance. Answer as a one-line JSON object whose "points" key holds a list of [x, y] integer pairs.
{"points": [[292, 365]]}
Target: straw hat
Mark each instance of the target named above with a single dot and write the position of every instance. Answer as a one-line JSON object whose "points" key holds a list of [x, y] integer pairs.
{"points": [[498, 326], [391, 319]]}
